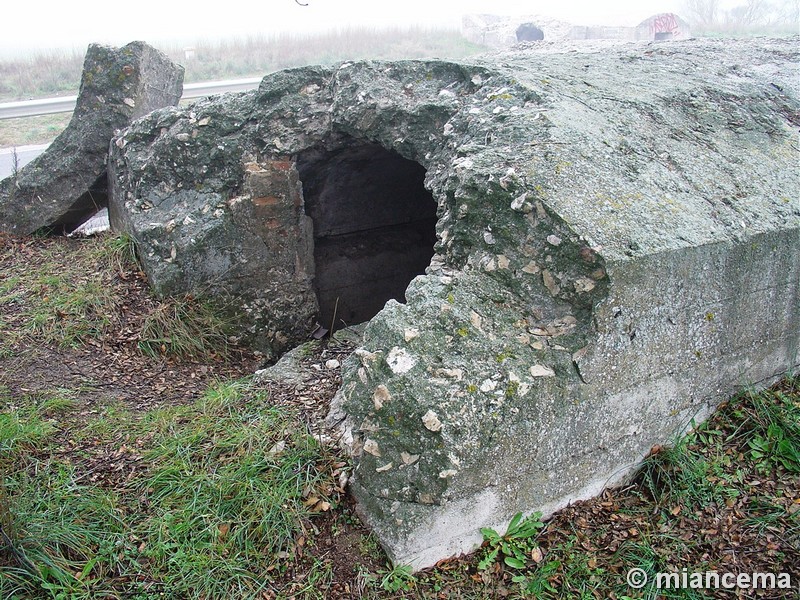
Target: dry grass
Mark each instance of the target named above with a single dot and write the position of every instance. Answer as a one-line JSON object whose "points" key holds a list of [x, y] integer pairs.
{"points": [[32, 130]]}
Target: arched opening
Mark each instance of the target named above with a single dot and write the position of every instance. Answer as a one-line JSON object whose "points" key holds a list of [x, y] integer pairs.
{"points": [[374, 227], [528, 32]]}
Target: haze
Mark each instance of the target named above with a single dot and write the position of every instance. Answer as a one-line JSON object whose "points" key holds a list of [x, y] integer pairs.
{"points": [[51, 24]]}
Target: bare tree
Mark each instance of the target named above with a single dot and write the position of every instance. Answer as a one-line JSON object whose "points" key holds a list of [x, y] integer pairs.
{"points": [[702, 13], [749, 14], [788, 13]]}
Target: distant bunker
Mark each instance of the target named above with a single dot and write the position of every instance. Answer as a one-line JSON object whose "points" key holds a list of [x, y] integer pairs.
{"points": [[562, 259]]}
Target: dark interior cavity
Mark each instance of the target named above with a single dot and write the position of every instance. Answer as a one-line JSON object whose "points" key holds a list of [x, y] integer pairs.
{"points": [[662, 36], [374, 227], [528, 32], [95, 198]]}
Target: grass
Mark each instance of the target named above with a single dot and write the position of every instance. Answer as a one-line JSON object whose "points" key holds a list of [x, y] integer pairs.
{"points": [[226, 502], [61, 303], [183, 326], [258, 55], [25, 131], [230, 496], [47, 73], [78, 302], [737, 462], [222, 503], [701, 467]]}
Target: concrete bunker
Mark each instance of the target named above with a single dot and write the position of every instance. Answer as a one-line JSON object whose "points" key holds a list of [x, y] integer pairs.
{"points": [[601, 279], [663, 27], [374, 227]]}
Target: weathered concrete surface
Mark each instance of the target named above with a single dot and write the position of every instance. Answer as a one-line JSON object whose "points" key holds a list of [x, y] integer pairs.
{"points": [[67, 183], [212, 193], [618, 237]]}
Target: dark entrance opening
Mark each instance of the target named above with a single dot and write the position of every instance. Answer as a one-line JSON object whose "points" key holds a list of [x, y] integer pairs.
{"points": [[374, 227], [528, 32], [661, 36]]}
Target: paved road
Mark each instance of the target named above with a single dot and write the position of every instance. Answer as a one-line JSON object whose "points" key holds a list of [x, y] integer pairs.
{"points": [[47, 106], [25, 154]]}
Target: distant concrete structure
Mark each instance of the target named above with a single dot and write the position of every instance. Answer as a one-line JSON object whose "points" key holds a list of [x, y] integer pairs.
{"points": [[662, 27], [504, 32]]}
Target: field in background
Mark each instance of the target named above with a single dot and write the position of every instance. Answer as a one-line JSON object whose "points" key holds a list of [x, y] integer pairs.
{"points": [[58, 73], [32, 130]]}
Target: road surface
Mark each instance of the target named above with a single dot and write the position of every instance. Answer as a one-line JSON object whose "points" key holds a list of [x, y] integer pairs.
{"points": [[25, 154], [47, 106]]}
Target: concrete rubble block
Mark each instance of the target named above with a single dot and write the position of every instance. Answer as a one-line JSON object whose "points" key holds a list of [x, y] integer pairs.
{"points": [[67, 183], [617, 236]]}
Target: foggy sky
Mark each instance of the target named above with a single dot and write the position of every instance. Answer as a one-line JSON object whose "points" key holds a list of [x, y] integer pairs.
{"points": [[50, 24]]}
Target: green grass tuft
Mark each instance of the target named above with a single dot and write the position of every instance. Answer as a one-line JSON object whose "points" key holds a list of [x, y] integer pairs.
{"points": [[64, 302], [73, 302]]}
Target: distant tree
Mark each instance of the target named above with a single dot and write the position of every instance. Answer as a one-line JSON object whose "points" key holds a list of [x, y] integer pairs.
{"points": [[749, 14], [788, 13], [702, 13]]}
